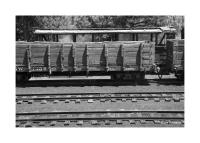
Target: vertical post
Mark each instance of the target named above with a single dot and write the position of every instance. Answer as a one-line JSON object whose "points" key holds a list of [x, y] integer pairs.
{"points": [[133, 37], [116, 37], [122, 58], [151, 37], [166, 35], [56, 37], [74, 57], [136, 37], [87, 59], [156, 39], [49, 60], [61, 58], [92, 37], [74, 37], [29, 58], [106, 57], [141, 59]]}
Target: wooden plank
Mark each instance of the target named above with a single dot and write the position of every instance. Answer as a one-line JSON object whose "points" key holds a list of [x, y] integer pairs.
{"points": [[68, 64], [49, 60], [151, 37], [106, 57], [61, 58], [87, 58], [74, 56], [122, 57], [29, 58], [136, 37], [74, 37], [98, 31], [141, 48]]}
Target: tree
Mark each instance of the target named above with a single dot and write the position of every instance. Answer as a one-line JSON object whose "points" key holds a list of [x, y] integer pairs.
{"points": [[25, 24]]}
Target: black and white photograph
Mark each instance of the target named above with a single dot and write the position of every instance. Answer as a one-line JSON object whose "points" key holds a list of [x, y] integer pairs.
{"points": [[99, 71]]}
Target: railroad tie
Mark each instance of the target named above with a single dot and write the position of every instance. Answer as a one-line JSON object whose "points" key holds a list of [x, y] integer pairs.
{"points": [[30, 102], [53, 123], [90, 101], [157, 122], [80, 123], [176, 99], [119, 122], [27, 124], [156, 99], [19, 102], [94, 122], [66, 123], [102, 100], [123, 99], [78, 101], [134, 100], [113, 100], [41, 124], [132, 121], [107, 122], [167, 99], [43, 102], [142, 121], [55, 101], [67, 101]]}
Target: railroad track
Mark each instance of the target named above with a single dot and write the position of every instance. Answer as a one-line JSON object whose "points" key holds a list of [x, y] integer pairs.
{"points": [[100, 109], [102, 119], [102, 97]]}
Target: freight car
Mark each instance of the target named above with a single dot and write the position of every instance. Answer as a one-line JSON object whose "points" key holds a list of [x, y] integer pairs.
{"points": [[123, 54], [121, 60], [158, 35], [175, 57]]}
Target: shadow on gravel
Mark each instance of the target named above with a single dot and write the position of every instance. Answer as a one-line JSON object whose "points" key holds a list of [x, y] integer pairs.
{"points": [[166, 81], [79, 83]]}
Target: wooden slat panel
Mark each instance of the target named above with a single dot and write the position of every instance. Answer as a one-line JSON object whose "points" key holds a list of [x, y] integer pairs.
{"points": [[106, 57], [87, 58], [114, 55], [96, 56], [93, 57], [21, 55], [61, 58], [131, 55], [29, 58], [81, 57], [175, 53], [49, 59], [68, 57], [39, 55], [55, 59], [122, 57]]}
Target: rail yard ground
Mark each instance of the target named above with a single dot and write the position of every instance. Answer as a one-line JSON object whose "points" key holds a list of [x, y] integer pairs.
{"points": [[67, 103]]}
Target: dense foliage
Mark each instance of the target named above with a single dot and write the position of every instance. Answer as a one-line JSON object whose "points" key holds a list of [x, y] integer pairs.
{"points": [[26, 24]]}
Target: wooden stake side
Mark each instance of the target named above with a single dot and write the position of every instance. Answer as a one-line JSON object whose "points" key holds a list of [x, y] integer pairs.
{"points": [[61, 58], [87, 59], [29, 58], [141, 59], [106, 57], [74, 57], [122, 57], [49, 59]]}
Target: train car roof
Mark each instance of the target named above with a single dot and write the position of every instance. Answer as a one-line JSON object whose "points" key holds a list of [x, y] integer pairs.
{"points": [[95, 31]]}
